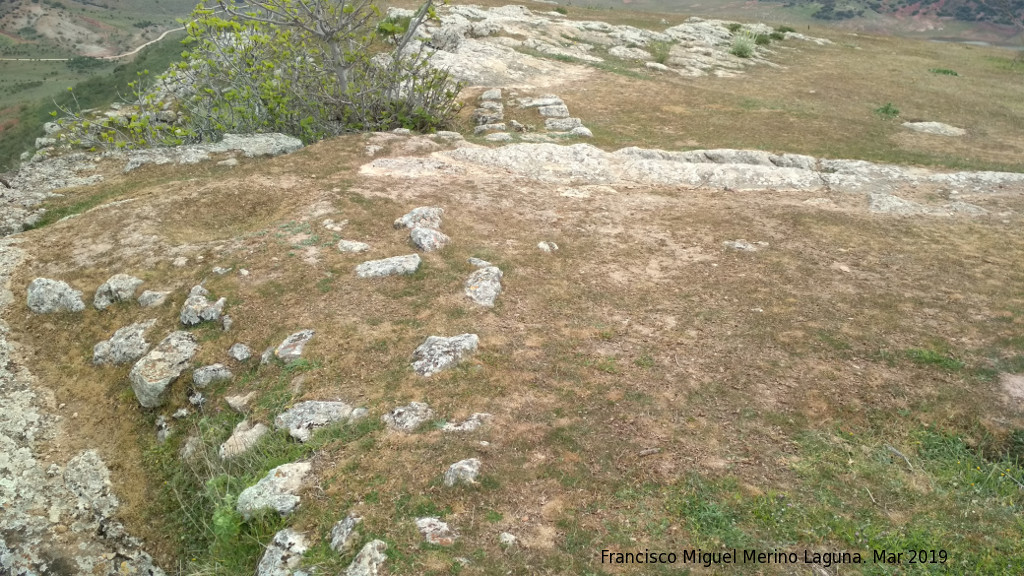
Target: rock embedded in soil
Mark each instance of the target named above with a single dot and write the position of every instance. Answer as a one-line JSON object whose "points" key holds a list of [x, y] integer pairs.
{"points": [[546, 246], [344, 534], [46, 296], [128, 344], [369, 560], [408, 418], [277, 491], [394, 266], [240, 352], [243, 437], [292, 346], [438, 353], [471, 424], [151, 298], [464, 471], [118, 288], [198, 309], [240, 402], [744, 246], [507, 540], [435, 531], [304, 418], [157, 369], [428, 239], [936, 128], [562, 124], [352, 246], [206, 375], [283, 555], [425, 216], [484, 285], [492, 94]]}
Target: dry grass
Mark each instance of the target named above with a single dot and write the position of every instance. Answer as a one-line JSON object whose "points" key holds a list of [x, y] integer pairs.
{"points": [[642, 332]]}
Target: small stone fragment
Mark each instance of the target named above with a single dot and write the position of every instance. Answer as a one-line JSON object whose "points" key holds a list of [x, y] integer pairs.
{"points": [[226, 322], [555, 111], [394, 266], [157, 369], [118, 288], [743, 245], [240, 352], [581, 132], [408, 418], [369, 560], [126, 345], [492, 94], [150, 298], [507, 540], [244, 437], [484, 286], [352, 246], [240, 402], [479, 263], [163, 429], [464, 471], [46, 296], [305, 417], [196, 399], [438, 353], [471, 424], [428, 239], [344, 534], [276, 491], [426, 216], [203, 377], [220, 271], [548, 246], [283, 555], [562, 124], [435, 531], [198, 309], [291, 348], [180, 413]]}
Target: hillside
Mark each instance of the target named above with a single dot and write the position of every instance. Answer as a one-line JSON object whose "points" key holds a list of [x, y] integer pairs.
{"points": [[647, 295]]}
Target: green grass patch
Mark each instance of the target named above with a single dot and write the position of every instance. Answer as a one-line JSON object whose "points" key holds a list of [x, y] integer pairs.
{"points": [[926, 357], [888, 111], [943, 71]]}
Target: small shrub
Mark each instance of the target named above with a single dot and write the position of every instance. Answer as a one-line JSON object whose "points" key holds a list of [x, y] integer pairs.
{"points": [[762, 40], [943, 71], [784, 29], [734, 27], [888, 111], [661, 51], [562, 10], [777, 36], [742, 46]]}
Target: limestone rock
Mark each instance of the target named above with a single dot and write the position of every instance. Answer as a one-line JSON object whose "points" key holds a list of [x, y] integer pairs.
{"points": [[283, 555], [937, 128], [151, 298], [88, 478], [557, 111], [240, 352], [304, 418], [562, 124], [277, 491], [197, 399], [198, 309], [492, 94], [507, 540], [471, 424], [240, 402], [547, 246], [428, 239], [46, 296], [244, 437], [744, 246], [477, 262], [438, 353], [126, 345], [426, 216], [352, 246], [118, 288], [369, 560], [500, 127], [291, 348], [484, 286], [408, 418], [499, 137], [203, 377], [156, 370], [394, 266], [435, 531], [581, 132], [464, 471], [343, 534], [163, 429]]}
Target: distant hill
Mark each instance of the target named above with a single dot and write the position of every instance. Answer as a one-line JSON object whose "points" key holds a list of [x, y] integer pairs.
{"points": [[1003, 12]]}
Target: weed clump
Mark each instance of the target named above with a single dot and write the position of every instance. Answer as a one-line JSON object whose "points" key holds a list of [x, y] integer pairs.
{"points": [[888, 111], [742, 46], [943, 71], [661, 51]]}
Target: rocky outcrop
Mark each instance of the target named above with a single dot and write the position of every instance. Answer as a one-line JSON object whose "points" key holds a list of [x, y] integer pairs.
{"points": [[470, 424], [198, 309], [484, 285], [118, 288], [369, 560], [463, 471], [240, 352], [304, 418], [408, 418], [283, 555], [47, 296], [277, 491], [438, 353], [206, 375], [394, 266], [344, 534], [155, 371], [428, 239], [292, 346], [126, 345], [424, 216], [152, 298]]}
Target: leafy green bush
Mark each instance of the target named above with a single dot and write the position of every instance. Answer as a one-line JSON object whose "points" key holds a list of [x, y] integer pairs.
{"points": [[734, 27], [660, 50], [777, 35], [943, 71], [762, 40], [784, 29], [888, 111], [562, 10]]}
